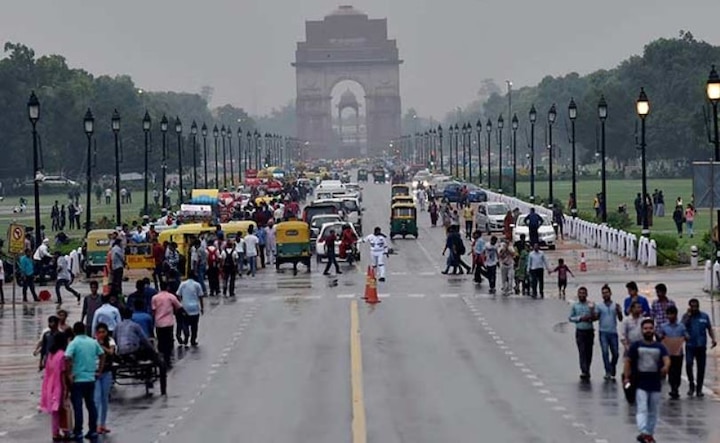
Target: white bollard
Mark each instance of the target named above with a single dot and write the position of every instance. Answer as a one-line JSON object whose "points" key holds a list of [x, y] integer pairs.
{"points": [[652, 254], [707, 274], [716, 276], [694, 256]]}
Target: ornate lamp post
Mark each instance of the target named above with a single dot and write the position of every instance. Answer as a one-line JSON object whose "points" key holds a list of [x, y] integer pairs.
{"points": [[572, 113], [33, 107], [440, 146], [115, 124], [552, 116], [248, 151], [602, 114], [89, 124], [230, 154], [257, 150], [193, 132], [515, 125], [478, 130], [224, 157], [501, 125], [464, 130], [451, 130], [457, 153], [163, 164], [240, 156], [204, 132], [488, 129], [216, 134], [713, 94], [178, 131], [642, 106], [146, 125], [533, 119]]}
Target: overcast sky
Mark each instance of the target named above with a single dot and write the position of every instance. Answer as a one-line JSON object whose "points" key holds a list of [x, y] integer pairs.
{"points": [[244, 48]]}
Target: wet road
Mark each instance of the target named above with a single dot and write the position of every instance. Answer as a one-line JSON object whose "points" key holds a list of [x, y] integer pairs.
{"points": [[300, 359]]}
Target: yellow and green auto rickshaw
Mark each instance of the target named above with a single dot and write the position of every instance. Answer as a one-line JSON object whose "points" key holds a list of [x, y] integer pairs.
{"points": [[97, 244], [292, 239], [403, 220], [402, 199], [362, 175], [378, 175], [399, 190]]}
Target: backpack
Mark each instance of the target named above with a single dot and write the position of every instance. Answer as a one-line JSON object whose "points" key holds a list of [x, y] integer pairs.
{"points": [[212, 257], [229, 262]]}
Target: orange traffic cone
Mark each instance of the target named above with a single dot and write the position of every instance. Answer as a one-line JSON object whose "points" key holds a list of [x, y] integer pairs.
{"points": [[371, 294], [583, 264]]}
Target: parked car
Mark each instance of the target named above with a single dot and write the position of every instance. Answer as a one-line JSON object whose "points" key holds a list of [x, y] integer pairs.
{"points": [[451, 191], [491, 216], [476, 194], [315, 208], [546, 233], [320, 242], [319, 220]]}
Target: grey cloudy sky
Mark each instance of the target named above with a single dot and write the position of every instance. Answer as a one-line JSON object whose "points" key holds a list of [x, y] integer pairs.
{"points": [[244, 48]]}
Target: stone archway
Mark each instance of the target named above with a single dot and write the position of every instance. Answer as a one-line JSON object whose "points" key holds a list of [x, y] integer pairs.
{"points": [[347, 45]]}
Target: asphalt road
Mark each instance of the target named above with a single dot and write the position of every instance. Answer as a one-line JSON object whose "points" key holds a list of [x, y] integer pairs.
{"points": [[304, 359]]}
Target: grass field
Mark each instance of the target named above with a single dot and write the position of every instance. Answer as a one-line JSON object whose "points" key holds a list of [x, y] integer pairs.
{"points": [[624, 192], [129, 211]]}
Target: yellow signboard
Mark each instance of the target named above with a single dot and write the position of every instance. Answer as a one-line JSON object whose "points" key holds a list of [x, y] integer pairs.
{"points": [[16, 239]]}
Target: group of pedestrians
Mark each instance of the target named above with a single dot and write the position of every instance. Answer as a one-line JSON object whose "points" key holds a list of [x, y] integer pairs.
{"points": [[656, 340]]}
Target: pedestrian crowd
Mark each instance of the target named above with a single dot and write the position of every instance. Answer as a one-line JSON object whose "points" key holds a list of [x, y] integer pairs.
{"points": [[656, 341]]}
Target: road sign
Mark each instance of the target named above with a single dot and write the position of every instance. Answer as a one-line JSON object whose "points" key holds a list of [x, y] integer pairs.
{"points": [[16, 239]]}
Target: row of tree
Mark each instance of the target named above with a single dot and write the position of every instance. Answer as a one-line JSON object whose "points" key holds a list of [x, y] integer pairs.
{"points": [[673, 72], [66, 93]]}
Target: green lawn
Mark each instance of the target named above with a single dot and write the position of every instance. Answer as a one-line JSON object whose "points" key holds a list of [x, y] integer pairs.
{"points": [[624, 192], [129, 211]]}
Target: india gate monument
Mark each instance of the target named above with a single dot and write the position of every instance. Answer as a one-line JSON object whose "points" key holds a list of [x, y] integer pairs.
{"points": [[347, 50]]}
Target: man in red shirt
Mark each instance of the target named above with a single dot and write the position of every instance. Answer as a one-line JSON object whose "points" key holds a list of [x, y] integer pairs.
{"points": [[158, 252]]}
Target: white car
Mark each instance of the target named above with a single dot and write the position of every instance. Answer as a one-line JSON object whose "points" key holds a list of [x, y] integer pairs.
{"points": [[422, 177], [490, 216], [546, 233], [320, 243], [318, 221]]}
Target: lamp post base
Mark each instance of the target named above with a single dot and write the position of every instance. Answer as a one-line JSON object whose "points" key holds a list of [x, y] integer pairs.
{"points": [[645, 233], [532, 199], [573, 212]]}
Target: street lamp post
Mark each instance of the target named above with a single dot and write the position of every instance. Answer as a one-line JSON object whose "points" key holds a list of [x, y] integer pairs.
{"points": [[515, 125], [501, 125], [204, 132], [442, 155], [643, 109], [602, 114], [552, 115], [478, 129], [533, 119], [257, 150], [240, 156], [457, 153], [216, 134], [146, 124], [464, 130], [451, 130], [713, 94], [572, 113], [89, 124], [178, 131], [468, 133], [488, 129], [163, 164], [248, 151], [115, 124], [33, 107], [228, 133], [224, 157], [193, 132]]}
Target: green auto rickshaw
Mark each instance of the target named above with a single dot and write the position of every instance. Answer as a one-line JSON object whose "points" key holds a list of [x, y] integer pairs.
{"points": [[399, 189], [362, 175], [403, 220], [292, 244], [379, 175]]}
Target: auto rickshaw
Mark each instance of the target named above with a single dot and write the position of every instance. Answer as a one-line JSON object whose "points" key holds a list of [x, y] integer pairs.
{"points": [[362, 175], [399, 189], [292, 239], [98, 243], [403, 220], [379, 175]]}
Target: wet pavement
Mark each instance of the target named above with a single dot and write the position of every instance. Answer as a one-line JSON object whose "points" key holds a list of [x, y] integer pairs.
{"points": [[442, 360]]}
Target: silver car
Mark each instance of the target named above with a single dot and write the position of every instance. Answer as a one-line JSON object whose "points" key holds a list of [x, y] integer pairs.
{"points": [[490, 216]]}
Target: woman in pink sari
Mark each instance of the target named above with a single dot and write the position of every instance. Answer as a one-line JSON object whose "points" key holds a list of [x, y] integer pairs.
{"points": [[55, 384]]}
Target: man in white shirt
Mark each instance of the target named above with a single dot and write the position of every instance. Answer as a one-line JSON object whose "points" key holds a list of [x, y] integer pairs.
{"points": [[191, 296], [378, 250], [270, 243], [536, 266], [251, 250], [240, 250], [64, 277]]}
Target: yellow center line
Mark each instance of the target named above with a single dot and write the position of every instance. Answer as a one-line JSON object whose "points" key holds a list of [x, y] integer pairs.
{"points": [[359, 428]]}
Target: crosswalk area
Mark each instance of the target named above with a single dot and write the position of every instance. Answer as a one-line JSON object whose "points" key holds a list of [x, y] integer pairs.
{"points": [[351, 296]]}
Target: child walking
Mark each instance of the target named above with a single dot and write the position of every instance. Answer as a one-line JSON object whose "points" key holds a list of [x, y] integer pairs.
{"points": [[562, 270]]}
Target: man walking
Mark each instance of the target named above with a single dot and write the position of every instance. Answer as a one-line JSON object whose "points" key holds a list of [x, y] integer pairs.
{"points": [[658, 309], [646, 364], [533, 221], [251, 250], [632, 326], [378, 251], [229, 268], [583, 314], [118, 263], [698, 327], [191, 296], [330, 240], [608, 313], [107, 314], [164, 305], [673, 335], [634, 296], [64, 277], [91, 303], [27, 270], [536, 265], [86, 360], [507, 266], [468, 216]]}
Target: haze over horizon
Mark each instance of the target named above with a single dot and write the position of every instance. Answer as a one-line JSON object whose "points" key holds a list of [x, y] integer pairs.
{"points": [[244, 49]]}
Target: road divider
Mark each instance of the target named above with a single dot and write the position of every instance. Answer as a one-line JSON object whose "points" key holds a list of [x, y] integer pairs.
{"points": [[359, 423]]}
